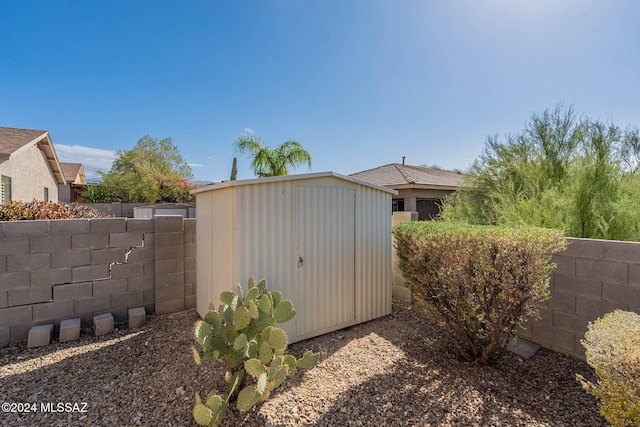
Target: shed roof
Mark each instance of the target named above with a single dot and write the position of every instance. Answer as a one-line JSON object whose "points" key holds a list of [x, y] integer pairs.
{"points": [[14, 140], [396, 175], [257, 181]]}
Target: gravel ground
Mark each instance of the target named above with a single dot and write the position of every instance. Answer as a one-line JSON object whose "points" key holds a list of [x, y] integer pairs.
{"points": [[393, 371]]}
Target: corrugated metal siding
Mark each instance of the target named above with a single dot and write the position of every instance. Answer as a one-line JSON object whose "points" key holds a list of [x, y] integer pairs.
{"points": [[253, 229]]}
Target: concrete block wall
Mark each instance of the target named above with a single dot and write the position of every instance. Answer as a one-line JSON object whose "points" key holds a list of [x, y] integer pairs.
{"points": [[55, 270], [593, 278], [116, 209]]}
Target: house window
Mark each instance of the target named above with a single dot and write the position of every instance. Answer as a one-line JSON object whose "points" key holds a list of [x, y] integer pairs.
{"points": [[398, 205], [6, 188], [46, 194]]}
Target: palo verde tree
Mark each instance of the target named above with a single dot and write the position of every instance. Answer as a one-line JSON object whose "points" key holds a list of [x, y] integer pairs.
{"points": [[273, 161], [152, 171], [574, 174]]}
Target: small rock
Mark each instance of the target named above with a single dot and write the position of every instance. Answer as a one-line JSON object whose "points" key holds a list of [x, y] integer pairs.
{"points": [[180, 391]]}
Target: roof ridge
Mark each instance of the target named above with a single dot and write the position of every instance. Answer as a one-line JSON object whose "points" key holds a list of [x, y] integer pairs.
{"points": [[402, 172]]}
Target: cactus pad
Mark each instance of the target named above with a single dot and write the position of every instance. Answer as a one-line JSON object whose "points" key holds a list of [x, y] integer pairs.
{"points": [[196, 356], [227, 297], [241, 318], [284, 311], [261, 384], [202, 414], [265, 354], [308, 360], [254, 367], [247, 398], [240, 342]]}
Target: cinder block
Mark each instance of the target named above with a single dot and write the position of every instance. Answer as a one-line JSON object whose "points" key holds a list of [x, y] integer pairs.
{"points": [[169, 280], [564, 264], [107, 256], [584, 248], [25, 228], [584, 286], [169, 294], [189, 264], [103, 324], [169, 307], [51, 310], [593, 309], [40, 244], [89, 273], [14, 246], [28, 262], [189, 225], [126, 240], [169, 252], [191, 276], [140, 283], [16, 315], [523, 348], [149, 268], [108, 287], [73, 291], [130, 269], [73, 258], [634, 273], [90, 241], [3, 263], [108, 225], [165, 240], [149, 240], [90, 305], [622, 294], [570, 322], [40, 336], [3, 299], [622, 251], [190, 251], [51, 276], [189, 289], [140, 224], [149, 296], [189, 302], [5, 334], [562, 301], [14, 280], [69, 226], [402, 293], [168, 224], [69, 330], [32, 295], [169, 266], [605, 270], [127, 299], [141, 255], [137, 317]]}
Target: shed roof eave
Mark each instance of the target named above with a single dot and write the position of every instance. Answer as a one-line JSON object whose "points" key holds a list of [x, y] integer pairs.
{"points": [[256, 181]]}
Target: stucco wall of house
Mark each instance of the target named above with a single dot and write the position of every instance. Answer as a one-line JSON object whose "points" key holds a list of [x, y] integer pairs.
{"points": [[30, 174]]}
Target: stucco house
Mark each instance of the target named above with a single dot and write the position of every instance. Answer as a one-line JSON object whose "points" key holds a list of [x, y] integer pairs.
{"points": [[420, 189], [29, 167], [76, 183]]}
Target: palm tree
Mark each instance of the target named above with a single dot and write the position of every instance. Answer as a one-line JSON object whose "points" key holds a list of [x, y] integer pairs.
{"points": [[276, 161]]}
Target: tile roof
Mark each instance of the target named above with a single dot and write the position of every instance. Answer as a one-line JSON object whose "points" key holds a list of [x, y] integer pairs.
{"points": [[395, 174], [12, 139]]}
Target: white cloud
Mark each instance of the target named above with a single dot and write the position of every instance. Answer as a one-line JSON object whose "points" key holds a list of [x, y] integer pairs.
{"points": [[196, 165], [248, 131], [93, 159]]}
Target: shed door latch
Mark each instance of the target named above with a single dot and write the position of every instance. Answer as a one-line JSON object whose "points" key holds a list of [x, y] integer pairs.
{"points": [[300, 261]]}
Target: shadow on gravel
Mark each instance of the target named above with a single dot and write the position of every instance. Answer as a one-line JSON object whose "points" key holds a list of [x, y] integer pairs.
{"points": [[431, 385]]}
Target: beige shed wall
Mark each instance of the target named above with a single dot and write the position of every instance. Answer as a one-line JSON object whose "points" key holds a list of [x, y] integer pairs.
{"points": [[251, 230], [30, 174]]}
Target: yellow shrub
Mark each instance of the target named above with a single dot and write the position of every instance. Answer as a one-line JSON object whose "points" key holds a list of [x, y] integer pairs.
{"points": [[612, 346]]}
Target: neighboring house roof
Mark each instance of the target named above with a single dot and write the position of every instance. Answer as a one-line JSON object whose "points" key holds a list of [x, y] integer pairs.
{"points": [[73, 173], [399, 176], [13, 141]]}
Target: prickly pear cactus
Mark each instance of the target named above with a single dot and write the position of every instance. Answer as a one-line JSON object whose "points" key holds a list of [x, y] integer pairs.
{"points": [[242, 334]]}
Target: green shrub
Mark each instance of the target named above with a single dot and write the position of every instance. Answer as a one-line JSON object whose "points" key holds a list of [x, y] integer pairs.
{"points": [[482, 281], [612, 346], [241, 334], [19, 211]]}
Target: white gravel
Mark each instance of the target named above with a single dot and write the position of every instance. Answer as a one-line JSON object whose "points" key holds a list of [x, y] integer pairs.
{"points": [[393, 371]]}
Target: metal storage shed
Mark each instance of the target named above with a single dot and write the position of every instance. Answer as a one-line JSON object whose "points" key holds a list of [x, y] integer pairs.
{"points": [[322, 239]]}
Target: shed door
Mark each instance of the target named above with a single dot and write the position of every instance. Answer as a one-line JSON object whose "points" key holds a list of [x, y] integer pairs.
{"points": [[326, 259]]}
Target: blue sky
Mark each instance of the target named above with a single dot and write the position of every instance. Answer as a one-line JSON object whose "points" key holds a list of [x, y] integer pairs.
{"points": [[359, 83]]}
